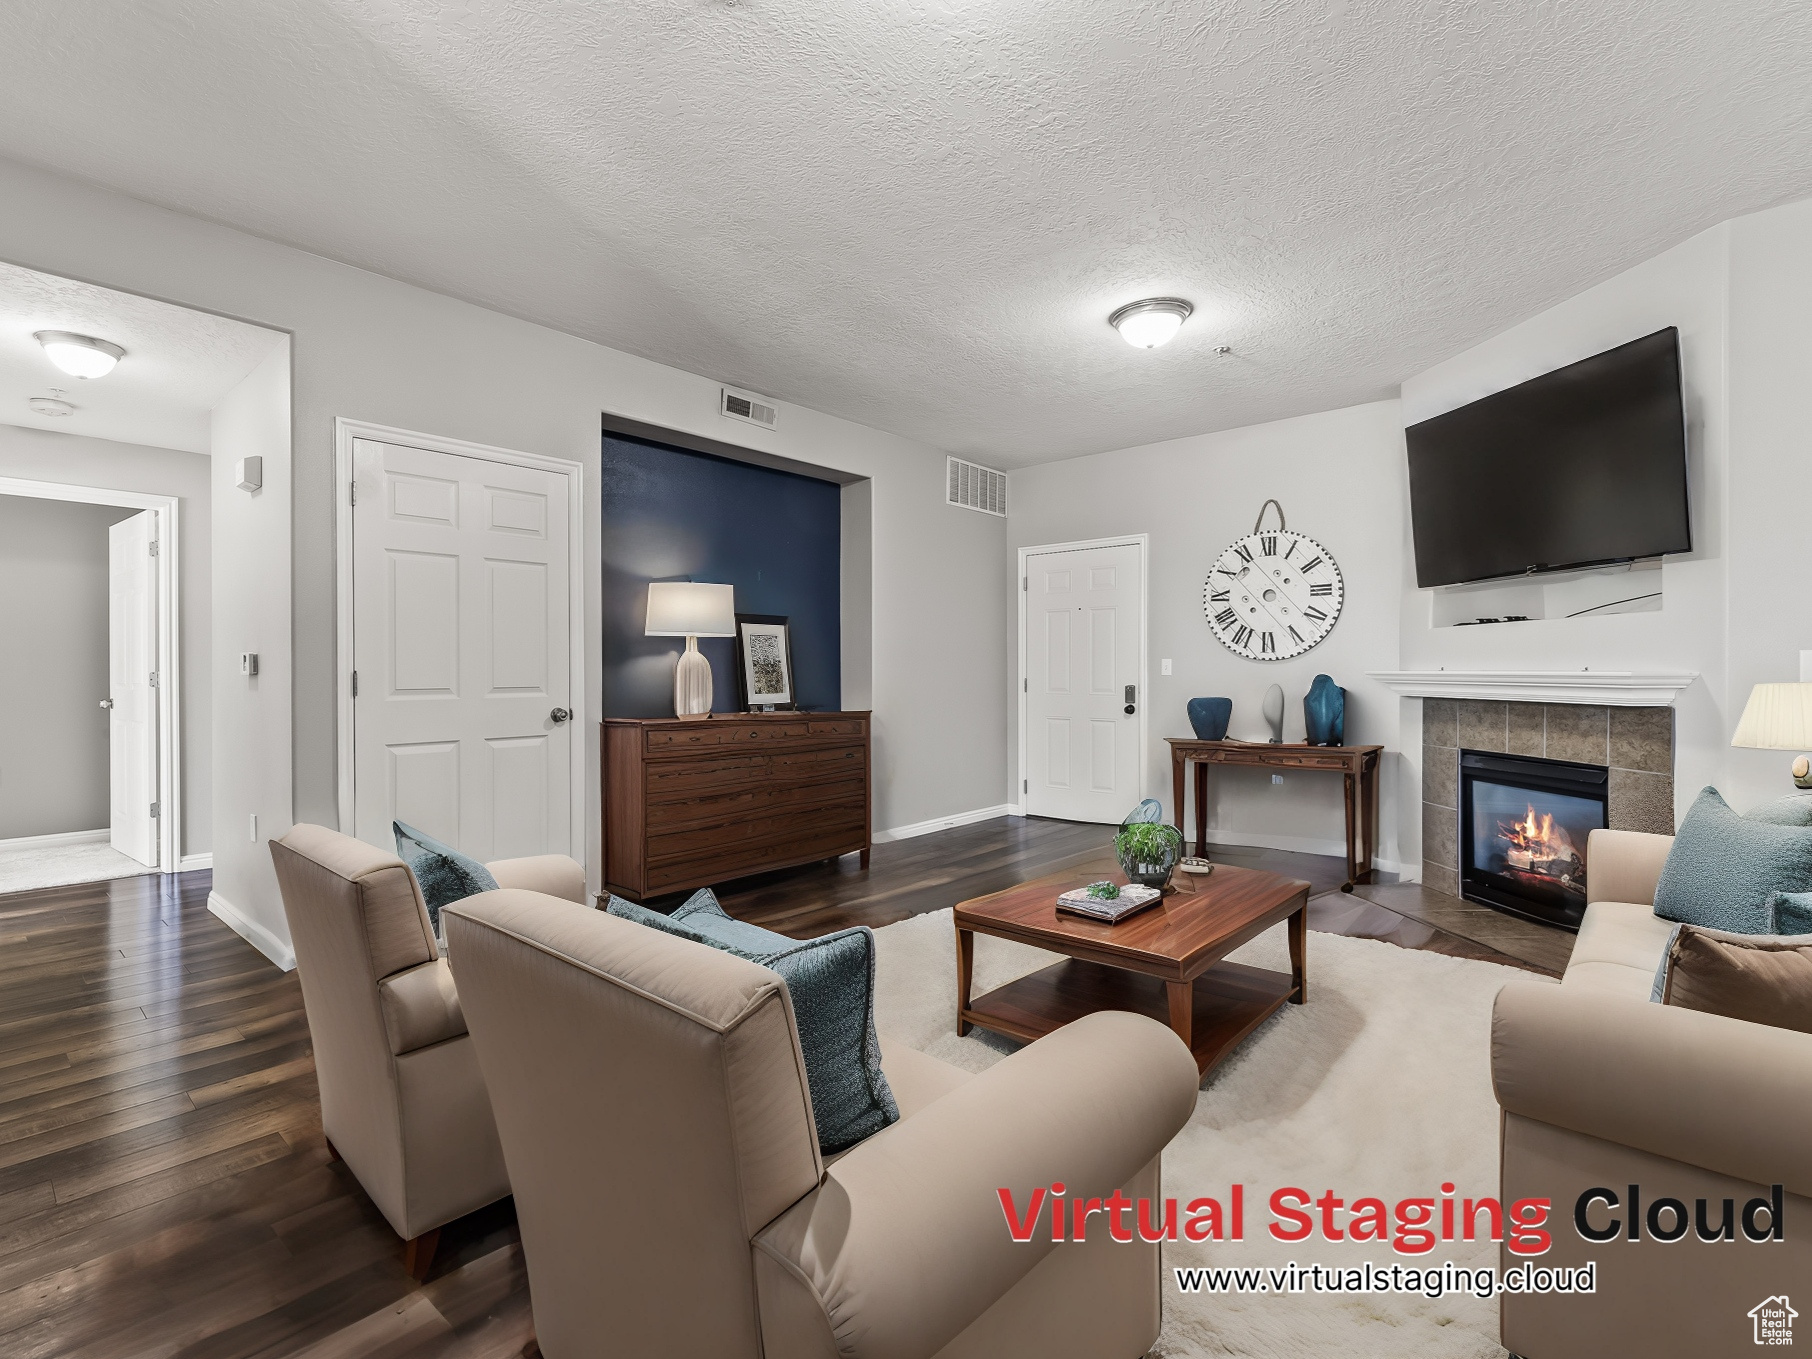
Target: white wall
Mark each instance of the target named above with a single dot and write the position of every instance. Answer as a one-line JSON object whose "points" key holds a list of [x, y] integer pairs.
{"points": [[1769, 496], [1341, 479], [74, 460], [252, 714], [370, 348], [54, 775], [1684, 287]]}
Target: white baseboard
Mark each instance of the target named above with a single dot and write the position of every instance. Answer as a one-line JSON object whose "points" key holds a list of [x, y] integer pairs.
{"points": [[89, 837], [189, 863], [939, 823], [1297, 844], [279, 951]]}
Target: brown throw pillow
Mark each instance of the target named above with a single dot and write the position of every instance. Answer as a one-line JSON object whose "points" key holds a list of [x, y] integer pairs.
{"points": [[1765, 979]]}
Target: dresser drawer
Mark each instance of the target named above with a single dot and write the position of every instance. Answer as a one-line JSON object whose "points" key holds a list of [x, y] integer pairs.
{"points": [[724, 862], [715, 809], [837, 816], [718, 733]]}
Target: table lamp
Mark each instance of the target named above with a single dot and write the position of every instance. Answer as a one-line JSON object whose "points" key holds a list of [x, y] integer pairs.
{"points": [[1779, 717], [691, 609]]}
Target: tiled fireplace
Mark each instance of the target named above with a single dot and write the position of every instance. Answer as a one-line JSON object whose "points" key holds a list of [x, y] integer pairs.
{"points": [[1634, 745]]}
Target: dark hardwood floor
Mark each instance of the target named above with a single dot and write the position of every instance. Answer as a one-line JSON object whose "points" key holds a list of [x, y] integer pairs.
{"points": [[165, 1189]]}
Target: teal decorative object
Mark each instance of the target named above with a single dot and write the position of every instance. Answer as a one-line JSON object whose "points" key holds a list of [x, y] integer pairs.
{"points": [[831, 980], [1724, 870], [1149, 810], [1324, 712], [1148, 852], [442, 872], [1209, 717]]}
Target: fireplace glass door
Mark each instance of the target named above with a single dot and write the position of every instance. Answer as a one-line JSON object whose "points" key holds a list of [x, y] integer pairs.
{"points": [[1524, 824]]}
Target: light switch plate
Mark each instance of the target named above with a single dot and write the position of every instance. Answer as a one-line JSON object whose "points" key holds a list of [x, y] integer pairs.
{"points": [[1164, 666], [248, 662]]}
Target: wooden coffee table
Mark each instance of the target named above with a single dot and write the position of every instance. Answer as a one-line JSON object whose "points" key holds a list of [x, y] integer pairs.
{"points": [[1165, 963]]}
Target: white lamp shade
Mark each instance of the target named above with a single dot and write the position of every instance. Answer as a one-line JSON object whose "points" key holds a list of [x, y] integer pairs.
{"points": [[1777, 717], [684, 608]]}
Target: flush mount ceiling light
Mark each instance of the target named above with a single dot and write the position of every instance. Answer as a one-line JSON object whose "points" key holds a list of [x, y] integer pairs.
{"points": [[1152, 322], [80, 356]]}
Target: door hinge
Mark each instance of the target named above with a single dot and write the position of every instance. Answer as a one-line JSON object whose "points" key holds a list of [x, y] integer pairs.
{"points": [[1025, 582], [154, 811], [154, 679], [352, 492], [1026, 686], [1025, 785], [355, 684], [154, 547]]}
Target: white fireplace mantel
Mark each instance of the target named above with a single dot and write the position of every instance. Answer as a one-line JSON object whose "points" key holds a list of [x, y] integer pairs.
{"points": [[1618, 688]]}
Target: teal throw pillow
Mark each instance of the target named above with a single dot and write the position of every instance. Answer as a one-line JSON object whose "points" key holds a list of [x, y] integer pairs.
{"points": [[1725, 869], [1792, 912], [832, 984], [1793, 810], [442, 872]]}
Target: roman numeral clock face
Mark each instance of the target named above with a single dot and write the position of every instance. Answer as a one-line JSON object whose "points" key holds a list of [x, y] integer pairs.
{"points": [[1273, 595]]}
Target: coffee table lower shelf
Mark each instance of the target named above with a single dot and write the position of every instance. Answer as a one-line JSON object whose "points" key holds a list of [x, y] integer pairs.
{"points": [[1230, 1001]]}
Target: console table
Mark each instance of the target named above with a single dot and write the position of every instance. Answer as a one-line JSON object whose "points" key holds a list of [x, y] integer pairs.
{"points": [[695, 801], [1358, 765]]}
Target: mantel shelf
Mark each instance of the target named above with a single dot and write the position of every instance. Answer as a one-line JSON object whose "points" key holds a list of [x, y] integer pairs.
{"points": [[1618, 688]]}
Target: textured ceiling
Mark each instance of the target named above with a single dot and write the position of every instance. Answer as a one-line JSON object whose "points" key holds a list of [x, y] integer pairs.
{"points": [[178, 363], [918, 213]]}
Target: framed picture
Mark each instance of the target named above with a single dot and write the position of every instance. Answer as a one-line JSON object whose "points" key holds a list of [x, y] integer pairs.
{"points": [[764, 655]]}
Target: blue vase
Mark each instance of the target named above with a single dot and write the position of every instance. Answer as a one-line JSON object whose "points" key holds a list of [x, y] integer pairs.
{"points": [[1324, 712], [1209, 717]]}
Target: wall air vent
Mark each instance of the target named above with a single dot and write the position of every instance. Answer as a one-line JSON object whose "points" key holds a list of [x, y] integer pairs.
{"points": [[975, 487], [746, 406]]}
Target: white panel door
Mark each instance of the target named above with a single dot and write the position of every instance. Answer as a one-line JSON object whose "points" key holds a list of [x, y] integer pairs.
{"points": [[132, 686], [462, 652], [1083, 645]]}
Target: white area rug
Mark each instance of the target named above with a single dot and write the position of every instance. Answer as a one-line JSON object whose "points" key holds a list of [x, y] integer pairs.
{"points": [[21, 870], [1380, 1085]]}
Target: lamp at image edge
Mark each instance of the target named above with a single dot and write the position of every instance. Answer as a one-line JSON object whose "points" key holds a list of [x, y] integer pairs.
{"points": [[691, 609], [1779, 717]]}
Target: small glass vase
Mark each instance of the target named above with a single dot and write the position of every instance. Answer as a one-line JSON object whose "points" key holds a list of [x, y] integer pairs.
{"points": [[1149, 852]]}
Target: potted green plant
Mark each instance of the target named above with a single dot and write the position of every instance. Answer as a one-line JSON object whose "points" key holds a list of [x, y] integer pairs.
{"points": [[1148, 852]]}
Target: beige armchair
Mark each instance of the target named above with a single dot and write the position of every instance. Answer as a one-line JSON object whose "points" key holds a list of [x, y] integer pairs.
{"points": [[653, 1108], [1602, 1088], [402, 1100]]}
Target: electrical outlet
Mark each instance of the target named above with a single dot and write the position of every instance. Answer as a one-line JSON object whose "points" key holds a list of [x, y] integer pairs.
{"points": [[1277, 778], [1164, 666], [254, 828]]}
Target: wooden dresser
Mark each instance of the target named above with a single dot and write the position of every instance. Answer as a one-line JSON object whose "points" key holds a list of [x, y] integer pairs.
{"points": [[694, 801]]}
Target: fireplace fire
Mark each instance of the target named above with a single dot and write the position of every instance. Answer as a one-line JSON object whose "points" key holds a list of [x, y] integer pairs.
{"points": [[1524, 828]]}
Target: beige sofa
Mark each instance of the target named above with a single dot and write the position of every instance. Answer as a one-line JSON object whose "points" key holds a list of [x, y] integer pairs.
{"points": [[402, 1100], [652, 1103], [1601, 1088]]}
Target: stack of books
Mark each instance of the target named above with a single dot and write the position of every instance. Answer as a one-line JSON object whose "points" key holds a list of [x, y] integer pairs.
{"points": [[1111, 910]]}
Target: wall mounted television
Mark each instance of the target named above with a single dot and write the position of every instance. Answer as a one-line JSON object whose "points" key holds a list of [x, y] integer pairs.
{"points": [[1582, 466]]}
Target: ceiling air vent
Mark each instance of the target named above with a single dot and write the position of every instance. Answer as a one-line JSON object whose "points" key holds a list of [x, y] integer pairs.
{"points": [[744, 406], [975, 487]]}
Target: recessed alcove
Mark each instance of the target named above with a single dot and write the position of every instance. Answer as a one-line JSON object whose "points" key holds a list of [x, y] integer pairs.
{"points": [[1628, 587]]}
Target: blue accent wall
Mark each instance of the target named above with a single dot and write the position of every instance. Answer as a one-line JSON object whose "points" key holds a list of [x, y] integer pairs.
{"points": [[671, 514]]}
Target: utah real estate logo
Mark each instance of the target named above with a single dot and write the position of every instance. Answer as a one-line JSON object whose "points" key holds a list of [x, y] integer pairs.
{"points": [[1773, 1319]]}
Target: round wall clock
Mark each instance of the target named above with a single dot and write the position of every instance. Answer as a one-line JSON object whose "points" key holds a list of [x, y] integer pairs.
{"points": [[1273, 594]]}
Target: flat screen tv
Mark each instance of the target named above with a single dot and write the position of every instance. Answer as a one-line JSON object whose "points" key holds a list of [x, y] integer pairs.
{"points": [[1579, 467]]}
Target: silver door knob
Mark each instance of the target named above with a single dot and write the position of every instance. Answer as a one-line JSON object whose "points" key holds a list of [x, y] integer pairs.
{"points": [[107, 703], [560, 715]]}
